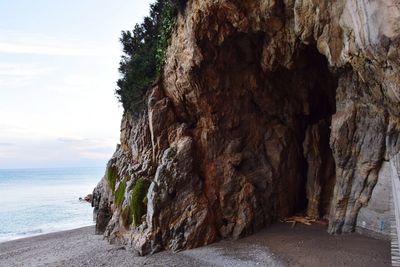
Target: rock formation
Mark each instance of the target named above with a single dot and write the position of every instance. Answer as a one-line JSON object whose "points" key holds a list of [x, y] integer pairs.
{"points": [[265, 108]]}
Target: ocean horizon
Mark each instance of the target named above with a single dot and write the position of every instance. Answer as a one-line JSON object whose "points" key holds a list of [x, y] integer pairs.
{"points": [[37, 201]]}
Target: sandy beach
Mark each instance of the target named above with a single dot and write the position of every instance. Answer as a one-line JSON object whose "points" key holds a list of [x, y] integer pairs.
{"points": [[279, 245]]}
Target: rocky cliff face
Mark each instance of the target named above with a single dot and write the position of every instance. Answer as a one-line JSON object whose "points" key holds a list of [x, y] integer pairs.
{"points": [[265, 109]]}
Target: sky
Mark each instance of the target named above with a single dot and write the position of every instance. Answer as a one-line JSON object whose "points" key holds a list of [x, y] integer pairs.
{"points": [[58, 71]]}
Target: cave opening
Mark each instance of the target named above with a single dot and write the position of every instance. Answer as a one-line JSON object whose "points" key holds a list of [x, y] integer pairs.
{"points": [[270, 131], [310, 90]]}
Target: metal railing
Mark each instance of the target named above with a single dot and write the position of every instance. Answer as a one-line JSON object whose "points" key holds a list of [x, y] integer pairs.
{"points": [[395, 163]]}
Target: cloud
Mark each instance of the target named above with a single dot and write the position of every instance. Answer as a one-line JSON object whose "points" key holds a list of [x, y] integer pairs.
{"points": [[11, 129], [21, 75], [93, 154], [6, 144], [39, 44], [72, 151], [69, 139], [7, 69], [89, 148]]}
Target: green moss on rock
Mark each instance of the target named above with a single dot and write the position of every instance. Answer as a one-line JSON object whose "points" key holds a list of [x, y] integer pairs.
{"points": [[137, 205], [126, 217], [112, 177], [120, 194], [172, 153]]}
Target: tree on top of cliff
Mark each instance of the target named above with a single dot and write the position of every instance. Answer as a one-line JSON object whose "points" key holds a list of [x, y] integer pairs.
{"points": [[144, 54]]}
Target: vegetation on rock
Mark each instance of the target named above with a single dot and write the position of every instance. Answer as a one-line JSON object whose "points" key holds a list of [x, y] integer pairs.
{"points": [[138, 198], [171, 153], [126, 217], [144, 54], [120, 194], [112, 177]]}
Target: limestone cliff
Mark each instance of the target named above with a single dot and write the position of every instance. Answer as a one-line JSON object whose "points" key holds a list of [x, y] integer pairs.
{"points": [[266, 108]]}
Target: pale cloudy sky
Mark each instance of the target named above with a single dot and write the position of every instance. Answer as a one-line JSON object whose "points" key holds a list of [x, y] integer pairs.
{"points": [[58, 71]]}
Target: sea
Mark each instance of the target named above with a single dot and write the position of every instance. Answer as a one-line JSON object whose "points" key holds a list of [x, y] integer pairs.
{"points": [[39, 201]]}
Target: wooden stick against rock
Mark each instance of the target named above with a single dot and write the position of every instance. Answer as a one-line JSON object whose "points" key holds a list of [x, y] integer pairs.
{"points": [[298, 219]]}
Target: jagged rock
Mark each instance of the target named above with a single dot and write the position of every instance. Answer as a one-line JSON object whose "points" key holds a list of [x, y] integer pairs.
{"points": [[101, 204], [260, 101], [88, 198], [321, 169]]}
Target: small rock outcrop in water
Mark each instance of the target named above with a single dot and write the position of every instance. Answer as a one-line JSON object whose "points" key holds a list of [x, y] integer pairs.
{"points": [[89, 198], [266, 108]]}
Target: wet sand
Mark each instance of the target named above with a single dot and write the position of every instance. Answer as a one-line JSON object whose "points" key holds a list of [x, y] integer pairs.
{"points": [[279, 245]]}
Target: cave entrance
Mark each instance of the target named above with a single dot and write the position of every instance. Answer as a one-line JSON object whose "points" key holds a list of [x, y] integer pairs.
{"points": [[310, 89], [277, 120]]}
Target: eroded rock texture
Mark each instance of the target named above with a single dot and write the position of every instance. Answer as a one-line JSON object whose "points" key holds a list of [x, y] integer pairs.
{"points": [[265, 109]]}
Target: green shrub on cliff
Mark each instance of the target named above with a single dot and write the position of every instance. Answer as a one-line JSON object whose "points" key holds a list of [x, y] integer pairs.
{"points": [[137, 205], [144, 53]]}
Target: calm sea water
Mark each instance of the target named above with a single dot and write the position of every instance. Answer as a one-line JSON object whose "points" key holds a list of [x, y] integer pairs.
{"points": [[38, 201]]}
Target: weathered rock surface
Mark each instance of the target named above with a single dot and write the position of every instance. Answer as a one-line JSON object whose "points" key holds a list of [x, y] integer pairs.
{"points": [[265, 109], [375, 219]]}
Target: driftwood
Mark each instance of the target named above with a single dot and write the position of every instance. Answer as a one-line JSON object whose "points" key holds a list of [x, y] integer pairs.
{"points": [[303, 220]]}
